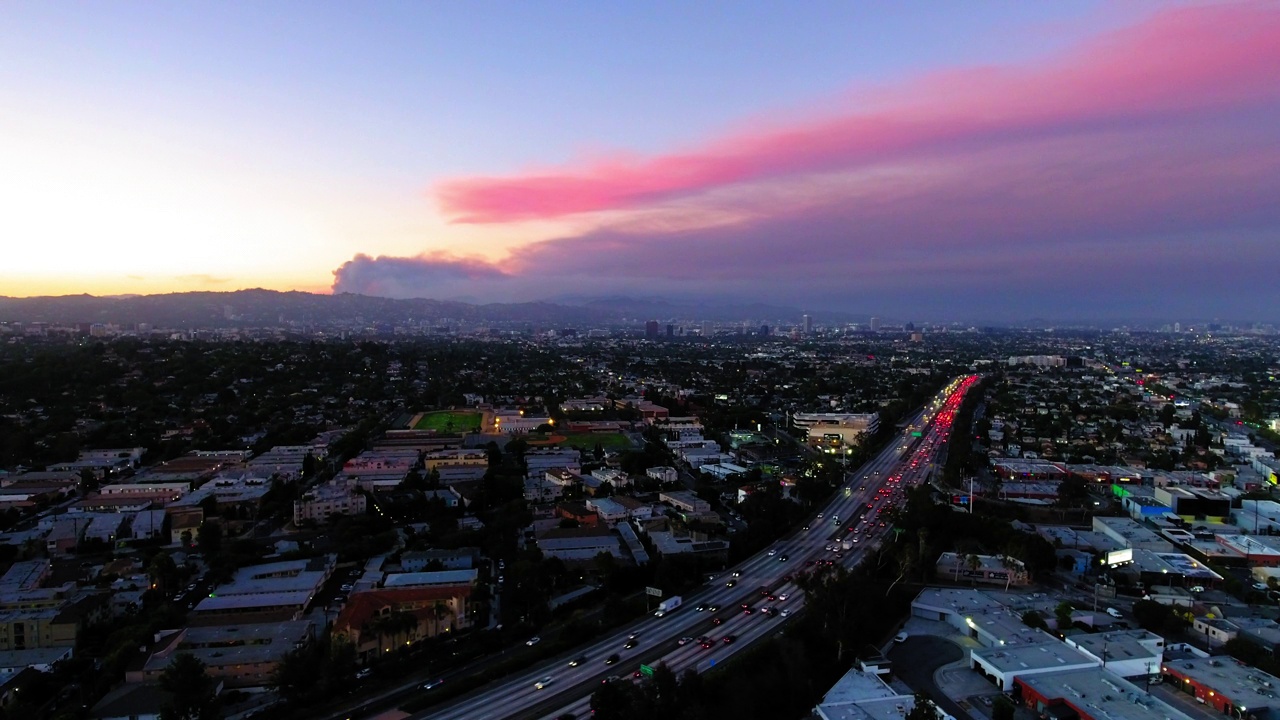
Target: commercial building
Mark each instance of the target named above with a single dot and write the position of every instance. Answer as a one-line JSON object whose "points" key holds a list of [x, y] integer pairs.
{"points": [[539, 462], [835, 430], [1003, 664], [861, 695], [273, 592], [1225, 685], [977, 615], [473, 458], [1128, 533], [1194, 504], [997, 570], [455, 559], [240, 655], [1127, 653], [1092, 694], [685, 501], [435, 578], [581, 543]]}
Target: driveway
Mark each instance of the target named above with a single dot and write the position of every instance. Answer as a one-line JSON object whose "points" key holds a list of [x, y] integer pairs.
{"points": [[915, 661]]}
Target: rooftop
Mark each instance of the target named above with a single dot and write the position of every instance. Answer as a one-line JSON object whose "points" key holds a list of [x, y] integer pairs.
{"points": [[864, 696], [1243, 684], [1047, 654], [1102, 694]]}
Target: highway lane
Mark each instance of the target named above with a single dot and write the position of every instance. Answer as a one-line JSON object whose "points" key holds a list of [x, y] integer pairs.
{"points": [[516, 695]]}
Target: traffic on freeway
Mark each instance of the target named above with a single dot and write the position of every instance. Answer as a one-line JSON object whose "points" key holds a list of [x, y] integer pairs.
{"points": [[741, 605]]}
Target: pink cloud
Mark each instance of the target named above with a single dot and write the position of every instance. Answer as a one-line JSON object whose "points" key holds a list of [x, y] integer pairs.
{"points": [[1174, 67]]}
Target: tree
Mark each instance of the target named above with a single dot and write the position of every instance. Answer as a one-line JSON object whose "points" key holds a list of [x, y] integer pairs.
{"points": [[923, 709], [1003, 709], [162, 571], [192, 690], [1063, 615], [210, 538], [1033, 619]]}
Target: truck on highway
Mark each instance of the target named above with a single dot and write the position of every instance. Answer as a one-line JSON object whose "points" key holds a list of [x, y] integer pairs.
{"points": [[847, 543], [668, 605]]}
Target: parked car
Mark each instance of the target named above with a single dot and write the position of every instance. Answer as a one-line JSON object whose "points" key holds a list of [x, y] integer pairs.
{"points": [[1114, 613], [901, 637], [533, 641]]}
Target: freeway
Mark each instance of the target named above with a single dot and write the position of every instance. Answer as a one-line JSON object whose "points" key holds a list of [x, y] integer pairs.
{"points": [[556, 687]]}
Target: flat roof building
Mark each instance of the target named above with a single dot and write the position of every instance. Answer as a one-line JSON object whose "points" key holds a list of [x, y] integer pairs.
{"points": [[1093, 694], [860, 695], [1127, 653], [1004, 664]]}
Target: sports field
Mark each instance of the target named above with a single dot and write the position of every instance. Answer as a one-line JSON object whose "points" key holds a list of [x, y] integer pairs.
{"points": [[588, 441], [449, 421]]}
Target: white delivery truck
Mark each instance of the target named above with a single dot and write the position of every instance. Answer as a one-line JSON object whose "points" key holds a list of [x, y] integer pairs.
{"points": [[668, 605], [847, 543]]}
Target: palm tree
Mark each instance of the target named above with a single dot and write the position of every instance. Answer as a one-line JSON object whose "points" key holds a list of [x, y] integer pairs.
{"points": [[439, 611], [975, 563], [1010, 564]]}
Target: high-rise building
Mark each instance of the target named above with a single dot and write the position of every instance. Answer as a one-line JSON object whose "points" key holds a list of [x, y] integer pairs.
{"points": [[651, 329], [808, 324], [875, 324], [671, 331], [707, 328]]}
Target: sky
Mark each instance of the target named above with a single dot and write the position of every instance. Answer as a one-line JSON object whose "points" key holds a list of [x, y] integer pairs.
{"points": [[933, 160]]}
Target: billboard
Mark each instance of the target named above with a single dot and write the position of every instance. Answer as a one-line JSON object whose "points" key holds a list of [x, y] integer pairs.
{"points": [[1120, 557]]}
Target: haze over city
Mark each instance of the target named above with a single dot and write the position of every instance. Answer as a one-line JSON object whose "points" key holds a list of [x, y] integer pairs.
{"points": [[997, 160]]}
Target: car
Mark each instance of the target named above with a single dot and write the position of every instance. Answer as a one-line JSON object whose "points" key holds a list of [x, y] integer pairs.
{"points": [[577, 661], [707, 643], [1114, 613], [737, 573], [716, 620], [533, 641], [433, 684], [747, 611], [784, 613], [1261, 587], [684, 641], [901, 637], [772, 552], [633, 636], [631, 643], [544, 682], [728, 639], [713, 608], [364, 673], [701, 608], [782, 558], [611, 678], [806, 527], [782, 596], [347, 588], [731, 583], [612, 659], [821, 515], [1197, 589]]}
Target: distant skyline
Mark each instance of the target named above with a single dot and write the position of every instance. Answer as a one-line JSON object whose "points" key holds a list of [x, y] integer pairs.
{"points": [[997, 160]]}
